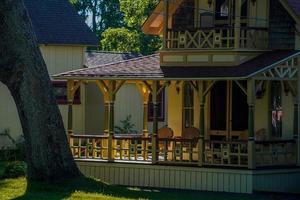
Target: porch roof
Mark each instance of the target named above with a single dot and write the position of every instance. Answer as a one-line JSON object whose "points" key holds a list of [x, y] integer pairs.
{"points": [[148, 68]]}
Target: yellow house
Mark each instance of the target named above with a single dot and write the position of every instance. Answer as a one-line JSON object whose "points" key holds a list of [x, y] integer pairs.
{"points": [[63, 38], [230, 71]]}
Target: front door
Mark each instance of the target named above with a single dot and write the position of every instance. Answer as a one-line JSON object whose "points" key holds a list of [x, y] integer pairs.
{"points": [[228, 111]]}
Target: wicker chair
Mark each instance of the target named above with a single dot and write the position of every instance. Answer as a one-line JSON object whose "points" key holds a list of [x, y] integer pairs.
{"points": [[190, 133]]}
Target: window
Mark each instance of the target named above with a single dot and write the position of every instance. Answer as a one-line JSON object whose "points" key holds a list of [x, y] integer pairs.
{"points": [[188, 106], [161, 107], [60, 92], [276, 109], [222, 9]]}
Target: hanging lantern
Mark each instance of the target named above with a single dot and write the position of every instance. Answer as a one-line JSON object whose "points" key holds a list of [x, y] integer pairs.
{"points": [[209, 2]]}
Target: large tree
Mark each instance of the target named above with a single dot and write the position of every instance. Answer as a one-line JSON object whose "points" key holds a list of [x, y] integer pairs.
{"points": [[23, 71]]}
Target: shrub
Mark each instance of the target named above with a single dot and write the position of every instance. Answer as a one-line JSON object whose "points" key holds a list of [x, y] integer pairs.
{"points": [[14, 169]]}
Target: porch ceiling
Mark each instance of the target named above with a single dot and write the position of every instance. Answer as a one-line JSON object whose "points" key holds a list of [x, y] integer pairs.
{"points": [[148, 68]]}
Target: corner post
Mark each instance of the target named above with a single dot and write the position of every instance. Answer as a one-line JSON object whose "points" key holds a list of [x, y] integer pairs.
{"points": [[237, 24], [155, 86], [165, 23], [111, 118], [251, 106], [201, 143], [297, 133], [70, 85]]}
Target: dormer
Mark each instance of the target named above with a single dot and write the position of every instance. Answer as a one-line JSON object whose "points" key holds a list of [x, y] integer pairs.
{"points": [[220, 32]]}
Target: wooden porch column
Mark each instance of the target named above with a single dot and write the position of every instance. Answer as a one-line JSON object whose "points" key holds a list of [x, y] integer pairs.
{"points": [[111, 118], [201, 144], [251, 132], [155, 86], [165, 23], [237, 24], [144, 91], [297, 134], [72, 87]]}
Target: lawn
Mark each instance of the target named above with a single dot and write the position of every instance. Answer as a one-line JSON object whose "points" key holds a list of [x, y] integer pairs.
{"points": [[88, 189]]}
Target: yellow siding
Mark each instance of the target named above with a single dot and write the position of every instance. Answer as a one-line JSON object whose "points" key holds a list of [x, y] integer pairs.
{"points": [[288, 115], [175, 109], [63, 58], [58, 59], [259, 13], [261, 120]]}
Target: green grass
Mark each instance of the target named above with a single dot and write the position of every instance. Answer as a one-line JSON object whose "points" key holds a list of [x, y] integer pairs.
{"points": [[90, 189]]}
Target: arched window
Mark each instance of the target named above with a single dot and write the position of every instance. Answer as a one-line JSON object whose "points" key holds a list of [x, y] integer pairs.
{"points": [[276, 108], [188, 106]]}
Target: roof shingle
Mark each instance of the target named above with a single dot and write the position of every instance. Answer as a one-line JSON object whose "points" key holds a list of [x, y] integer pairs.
{"points": [[57, 22], [295, 5], [97, 58], [148, 67]]}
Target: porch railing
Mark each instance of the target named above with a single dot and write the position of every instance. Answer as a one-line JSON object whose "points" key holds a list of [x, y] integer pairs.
{"points": [[217, 38], [89, 146], [275, 153], [132, 148], [226, 153], [176, 150]]}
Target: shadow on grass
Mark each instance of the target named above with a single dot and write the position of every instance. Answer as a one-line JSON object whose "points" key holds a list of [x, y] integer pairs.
{"points": [[87, 187]]}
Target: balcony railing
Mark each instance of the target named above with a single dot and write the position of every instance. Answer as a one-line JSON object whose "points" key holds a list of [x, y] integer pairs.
{"points": [[177, 150], [217, 38]]}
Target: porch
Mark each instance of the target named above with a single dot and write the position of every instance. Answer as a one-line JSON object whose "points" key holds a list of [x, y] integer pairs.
{"points": [[207, 136]]}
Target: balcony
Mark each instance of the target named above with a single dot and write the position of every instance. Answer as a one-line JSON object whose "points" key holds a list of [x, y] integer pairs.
{"points": [[217, 38]]}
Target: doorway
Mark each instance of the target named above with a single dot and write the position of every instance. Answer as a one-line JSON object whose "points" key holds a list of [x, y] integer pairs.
{"points": [[228, 111]]}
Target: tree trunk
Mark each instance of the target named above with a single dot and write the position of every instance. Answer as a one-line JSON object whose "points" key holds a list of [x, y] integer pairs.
{"points": [[24, 72]]}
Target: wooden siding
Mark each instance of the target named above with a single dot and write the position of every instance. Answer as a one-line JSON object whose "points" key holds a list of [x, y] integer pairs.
{"points": [[188, 178], [282, 27], [63, 58], [285, 180], [58, 59]]}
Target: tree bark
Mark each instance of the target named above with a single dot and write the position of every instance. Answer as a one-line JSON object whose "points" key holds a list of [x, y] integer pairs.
{"points": [[24, 72]]}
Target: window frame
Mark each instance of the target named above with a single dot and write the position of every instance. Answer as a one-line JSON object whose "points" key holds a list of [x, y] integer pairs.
{"points": [[161, 107], [190, 108], [63, 99]]}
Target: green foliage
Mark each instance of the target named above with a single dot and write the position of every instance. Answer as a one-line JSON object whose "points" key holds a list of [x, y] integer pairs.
{"points": [[127, 127], [100, 14], [136, 12], [120, 40], [14, 169], [14, 152], [118, 24]]}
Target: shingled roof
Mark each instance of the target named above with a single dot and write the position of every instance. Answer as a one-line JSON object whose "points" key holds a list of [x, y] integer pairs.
{"points": [[97, 58], [148, 67], [295, 5], [57, 22]]}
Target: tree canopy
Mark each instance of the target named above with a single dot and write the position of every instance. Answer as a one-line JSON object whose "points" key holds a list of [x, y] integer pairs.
{"points": [[118, 24]]}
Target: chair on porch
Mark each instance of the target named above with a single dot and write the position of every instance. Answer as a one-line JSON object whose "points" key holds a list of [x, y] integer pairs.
{"points": [[164, 134]]}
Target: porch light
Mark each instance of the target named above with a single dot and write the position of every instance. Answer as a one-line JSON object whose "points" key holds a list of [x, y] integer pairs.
{"points": [[209, 2]]}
